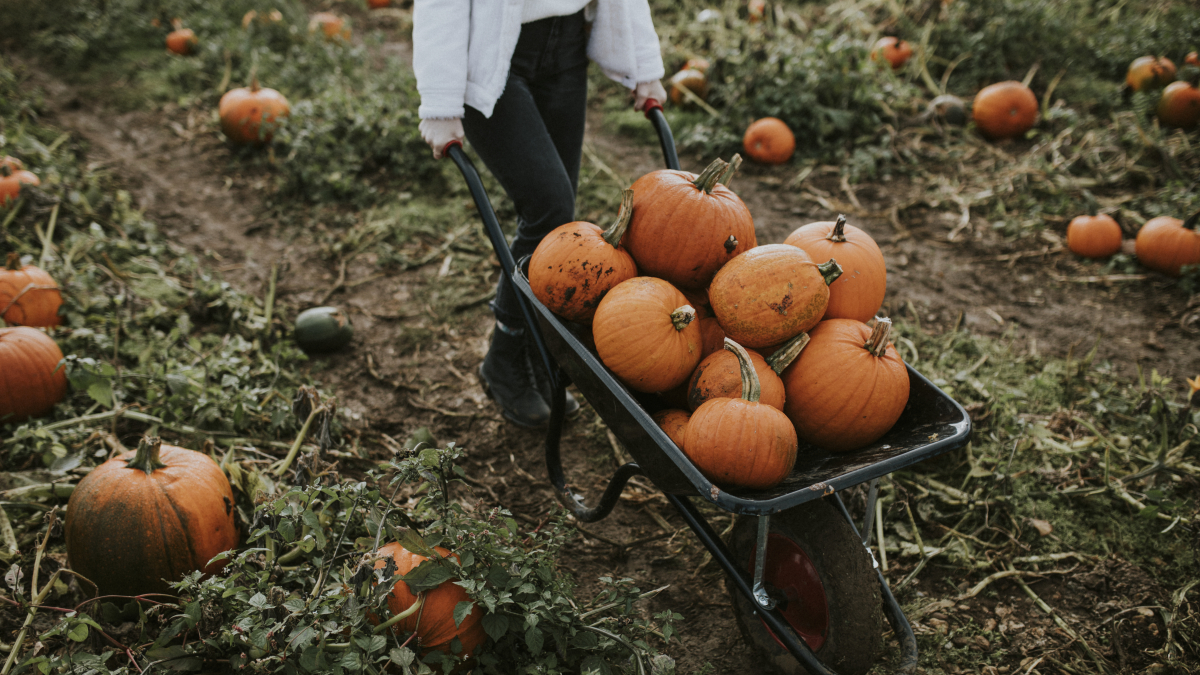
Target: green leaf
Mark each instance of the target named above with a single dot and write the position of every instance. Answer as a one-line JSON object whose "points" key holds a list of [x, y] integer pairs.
{"points": [[402, 655], [412, 541], [378, 642], [495, 625], [534, 639], [461, 611], [585, 640], [176, 657], [101, 392], [351, 661], [310, 658], [78, 632], [428, 576]]}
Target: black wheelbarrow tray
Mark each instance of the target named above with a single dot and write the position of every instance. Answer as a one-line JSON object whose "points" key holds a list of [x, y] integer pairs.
{"points": [[798, 568]]}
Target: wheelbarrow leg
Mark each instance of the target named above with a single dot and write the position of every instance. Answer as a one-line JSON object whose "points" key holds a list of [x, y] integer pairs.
{"points": [[771, 617], [891, 608]]}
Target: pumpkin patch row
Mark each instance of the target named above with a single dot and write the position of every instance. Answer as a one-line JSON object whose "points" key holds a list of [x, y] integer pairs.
{"points": [[766, 345]]}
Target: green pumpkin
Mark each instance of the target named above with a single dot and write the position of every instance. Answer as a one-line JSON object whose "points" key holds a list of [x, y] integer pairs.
{"points": [[323, 329]]}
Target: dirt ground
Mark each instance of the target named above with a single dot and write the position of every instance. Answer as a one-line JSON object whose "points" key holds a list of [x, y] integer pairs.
{"points": [[180, 173]]}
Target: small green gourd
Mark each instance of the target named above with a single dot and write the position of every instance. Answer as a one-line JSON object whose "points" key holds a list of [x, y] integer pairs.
{"points": [[323, 329]]}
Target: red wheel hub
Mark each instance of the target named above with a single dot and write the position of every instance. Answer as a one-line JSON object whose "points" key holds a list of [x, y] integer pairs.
{"points": [[792, 574]]}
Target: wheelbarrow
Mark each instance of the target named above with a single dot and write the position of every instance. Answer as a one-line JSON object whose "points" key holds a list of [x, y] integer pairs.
{"points": [[807, 590]]}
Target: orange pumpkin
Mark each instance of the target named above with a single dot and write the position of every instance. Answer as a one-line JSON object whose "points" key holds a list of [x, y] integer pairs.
{"points": [[144, 519], [719, 376], [182, 41], [434, 621], [1148, 72], [712, 336], [673, 422], [249, 114], [848, 387], [858, 293], [1192, 59], [741, 441], [770, 294], [685, 227], [11, 181], [755, 10], [576, 265], [28, 296], [1179, 106], [1167, 244], [646, 334], [1005, 110], [1094, 236], [769, 141], [332, 26], [12, 163], [893, 50], [31, 381], [693, 80]]}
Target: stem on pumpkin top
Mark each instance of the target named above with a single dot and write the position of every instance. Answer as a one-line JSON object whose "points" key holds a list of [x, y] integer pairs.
{"points": [[751, 389], [785, 355], [412, 609], [707, 180], [681, 317], [13, 263], [614, 234], [146, 458], [830, 270], [838, 233], [727, 175], [1193, 222], [877, 343]]}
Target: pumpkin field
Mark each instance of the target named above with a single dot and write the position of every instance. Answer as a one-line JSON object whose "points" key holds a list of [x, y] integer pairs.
{"points": [[242, 309]]}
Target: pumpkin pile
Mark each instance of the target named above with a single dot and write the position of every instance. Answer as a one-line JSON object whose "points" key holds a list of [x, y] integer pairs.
{"points": [[752, 348]]}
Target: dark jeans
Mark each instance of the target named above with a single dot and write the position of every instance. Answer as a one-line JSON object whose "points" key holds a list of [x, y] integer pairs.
{"points": [[533, 140]]}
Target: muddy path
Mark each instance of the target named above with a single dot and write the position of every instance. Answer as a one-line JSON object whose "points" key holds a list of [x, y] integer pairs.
{"points": [[406, 370]]}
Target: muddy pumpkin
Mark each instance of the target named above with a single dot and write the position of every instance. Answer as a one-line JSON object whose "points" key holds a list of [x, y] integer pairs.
{"points": [[144, 519]]}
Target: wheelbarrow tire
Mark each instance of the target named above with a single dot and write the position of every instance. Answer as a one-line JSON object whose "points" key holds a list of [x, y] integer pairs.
{"points": [[813, 555]]}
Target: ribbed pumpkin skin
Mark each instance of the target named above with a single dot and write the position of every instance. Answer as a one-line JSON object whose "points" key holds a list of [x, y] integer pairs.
{"points": [[740, 443], [839, 395], [1005, 110], [674, 422], [858, 293], [768, 295], [636, 339], [1094, 236], [37, 306], [719, 376], [128, 530], [712, 336], [244, 111], [1165, 245], [680, 233], [573, 268], [29, 382], [436, 629]]}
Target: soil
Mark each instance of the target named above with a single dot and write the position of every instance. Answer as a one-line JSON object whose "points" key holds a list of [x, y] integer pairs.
{"points": [[405, 371]]}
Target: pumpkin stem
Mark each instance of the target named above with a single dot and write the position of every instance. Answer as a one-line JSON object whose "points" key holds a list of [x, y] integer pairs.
{"points": [[1193, 222], [681, 317], [146, 458], [751, 389], [707, 180], [838, 233], [13, 263], [830, 270], [781, 359], [5, 170], [177, 23], [614, 234], [412, 609], [877, 343], [734, 164]]}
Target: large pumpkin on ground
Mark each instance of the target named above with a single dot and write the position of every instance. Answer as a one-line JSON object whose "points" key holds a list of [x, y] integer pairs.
{"points": [[434, 621], [1005, 110], [771, 294], [848, 387], [646, 333], [28, 296], [147, 518], [685, 227], [248, 114], [1167, 244], [577, 264], [858, 293], [1179, 106], [740, 441], [31, 381]]}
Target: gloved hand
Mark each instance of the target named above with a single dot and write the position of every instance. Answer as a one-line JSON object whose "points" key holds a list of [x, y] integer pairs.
{"points": [[648, 90], [437, 133]]}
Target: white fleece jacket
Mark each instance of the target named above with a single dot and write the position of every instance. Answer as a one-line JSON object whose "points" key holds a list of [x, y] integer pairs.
{"points": [[462, 49]]}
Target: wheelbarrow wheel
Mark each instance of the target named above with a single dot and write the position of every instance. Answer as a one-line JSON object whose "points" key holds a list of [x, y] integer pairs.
{"points": [[824, 582]]}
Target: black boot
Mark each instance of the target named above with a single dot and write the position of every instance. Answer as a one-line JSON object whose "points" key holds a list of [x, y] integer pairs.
{"points": [[542, 378], [507, 378]]}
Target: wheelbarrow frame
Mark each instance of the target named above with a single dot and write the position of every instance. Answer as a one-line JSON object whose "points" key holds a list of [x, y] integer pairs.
{"points": [[932, 423]]}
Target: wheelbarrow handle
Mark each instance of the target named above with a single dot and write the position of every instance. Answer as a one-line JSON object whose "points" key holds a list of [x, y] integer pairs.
{"points": [[654, 113]]}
